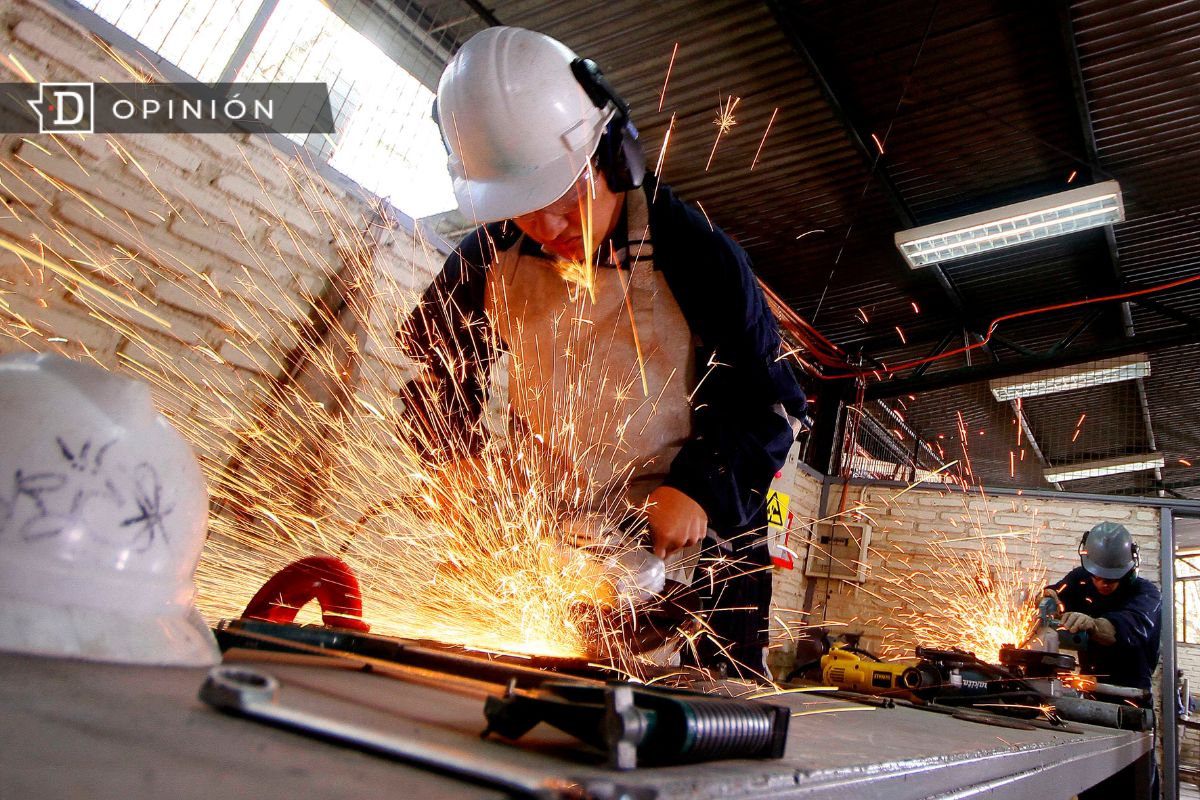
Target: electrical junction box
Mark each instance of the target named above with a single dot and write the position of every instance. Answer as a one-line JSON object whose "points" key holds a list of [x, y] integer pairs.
{"points": [[839, 550]]}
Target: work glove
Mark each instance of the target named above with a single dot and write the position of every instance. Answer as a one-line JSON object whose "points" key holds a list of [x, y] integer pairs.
{"points": [[1102, 631], [1105, 632], [1075, 621]]}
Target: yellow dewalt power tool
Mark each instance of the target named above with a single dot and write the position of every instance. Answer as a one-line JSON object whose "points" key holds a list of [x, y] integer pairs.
{"points": [[859, 672]]}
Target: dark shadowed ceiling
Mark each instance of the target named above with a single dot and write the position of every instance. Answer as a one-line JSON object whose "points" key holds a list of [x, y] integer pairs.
{"points": [[881, 116]]}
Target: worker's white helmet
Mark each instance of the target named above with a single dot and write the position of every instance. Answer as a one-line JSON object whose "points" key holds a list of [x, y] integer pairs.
{"points": [[519, 125], [103, 514]]}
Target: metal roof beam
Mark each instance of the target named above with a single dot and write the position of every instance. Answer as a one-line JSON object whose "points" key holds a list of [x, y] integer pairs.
{"points": [[938, 349], [1075, 332], [1171, 313]]}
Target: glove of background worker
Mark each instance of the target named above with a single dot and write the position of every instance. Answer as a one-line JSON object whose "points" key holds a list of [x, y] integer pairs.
{"points": [[1102, 631], [1074, 622]]}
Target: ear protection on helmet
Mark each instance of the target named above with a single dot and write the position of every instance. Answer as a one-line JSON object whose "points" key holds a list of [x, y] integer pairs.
{"points": [[437, 120], [619, 155]]}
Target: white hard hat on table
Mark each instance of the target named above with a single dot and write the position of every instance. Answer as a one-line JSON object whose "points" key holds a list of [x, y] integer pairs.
{"points": [[519, 126], [103, 513]]}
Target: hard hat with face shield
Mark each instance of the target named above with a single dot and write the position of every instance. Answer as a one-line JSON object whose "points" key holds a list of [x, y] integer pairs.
{"points": [[521, 116], [103, 513], [1108, 551]]}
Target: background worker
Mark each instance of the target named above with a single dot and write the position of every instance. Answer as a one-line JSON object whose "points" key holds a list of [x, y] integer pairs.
{"points": [[1120, 613], [542, 150]]}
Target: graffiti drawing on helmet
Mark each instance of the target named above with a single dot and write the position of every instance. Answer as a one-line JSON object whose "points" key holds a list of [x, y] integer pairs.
{"points": [[83, 459], [82, 495], [33, 488], [147, 494]]}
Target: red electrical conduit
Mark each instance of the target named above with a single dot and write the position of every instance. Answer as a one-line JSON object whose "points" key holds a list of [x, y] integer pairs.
{"points": [[325, 579], [818, 343]]}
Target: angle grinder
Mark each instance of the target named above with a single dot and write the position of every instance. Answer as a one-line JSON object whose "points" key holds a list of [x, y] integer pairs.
{"points": [[1049, 636], [635, 599]]}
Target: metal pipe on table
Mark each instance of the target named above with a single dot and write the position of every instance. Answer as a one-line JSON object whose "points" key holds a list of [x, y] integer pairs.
{"points": [[1110, 715]]}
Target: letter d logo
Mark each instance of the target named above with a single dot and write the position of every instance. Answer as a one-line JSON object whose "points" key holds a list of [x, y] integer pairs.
{"points": [[65, 107]]}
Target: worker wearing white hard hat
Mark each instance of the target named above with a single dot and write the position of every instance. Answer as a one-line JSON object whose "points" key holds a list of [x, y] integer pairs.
{"points": [[103, 513], [542, 149]]}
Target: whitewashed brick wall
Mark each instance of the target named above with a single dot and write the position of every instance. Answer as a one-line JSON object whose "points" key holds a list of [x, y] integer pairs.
{"points": [[788, 616], [172, 216]]}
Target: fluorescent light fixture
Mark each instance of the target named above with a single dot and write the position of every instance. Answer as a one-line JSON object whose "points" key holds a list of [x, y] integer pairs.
{"points": [[1041, 218], [1107, 466], [1064, 379]]}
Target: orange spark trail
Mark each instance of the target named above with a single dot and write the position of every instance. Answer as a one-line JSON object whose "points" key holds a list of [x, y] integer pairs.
{"points": [[662, 155], [662, 96], [770, 122]]}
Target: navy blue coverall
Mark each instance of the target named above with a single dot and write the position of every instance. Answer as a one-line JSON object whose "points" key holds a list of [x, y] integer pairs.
{"points": [[1135, 610]]}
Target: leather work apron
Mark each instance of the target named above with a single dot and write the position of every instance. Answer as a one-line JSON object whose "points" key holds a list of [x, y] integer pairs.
{"points": [[575, 375]]}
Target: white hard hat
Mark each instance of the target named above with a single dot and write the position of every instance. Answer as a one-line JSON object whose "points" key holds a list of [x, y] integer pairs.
{"points": [[103, 514], [519, 125]]}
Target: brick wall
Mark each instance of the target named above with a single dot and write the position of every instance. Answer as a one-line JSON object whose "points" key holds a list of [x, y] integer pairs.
{"points": [[196, 257], [788, 615]]}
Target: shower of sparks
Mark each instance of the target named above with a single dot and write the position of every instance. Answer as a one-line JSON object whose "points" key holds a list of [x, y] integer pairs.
{"points": [[705, 213], [294, 381], [725, 121], [757, 152], [967, 592], [663, 95], [944, 589], [878, 144]]}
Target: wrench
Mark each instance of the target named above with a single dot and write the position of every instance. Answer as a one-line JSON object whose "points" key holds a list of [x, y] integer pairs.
{"points": [[252, 694]]}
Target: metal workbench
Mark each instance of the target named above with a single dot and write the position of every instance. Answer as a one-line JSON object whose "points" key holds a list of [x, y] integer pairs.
{"points": [[76, 729]]}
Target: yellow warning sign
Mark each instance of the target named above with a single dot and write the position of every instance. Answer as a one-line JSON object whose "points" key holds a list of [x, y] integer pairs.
{"points": [[777, 509]]}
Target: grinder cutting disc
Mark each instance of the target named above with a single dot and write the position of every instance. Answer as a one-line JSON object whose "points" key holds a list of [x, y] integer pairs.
{"points": [[648, 626], [1036, 663]]}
